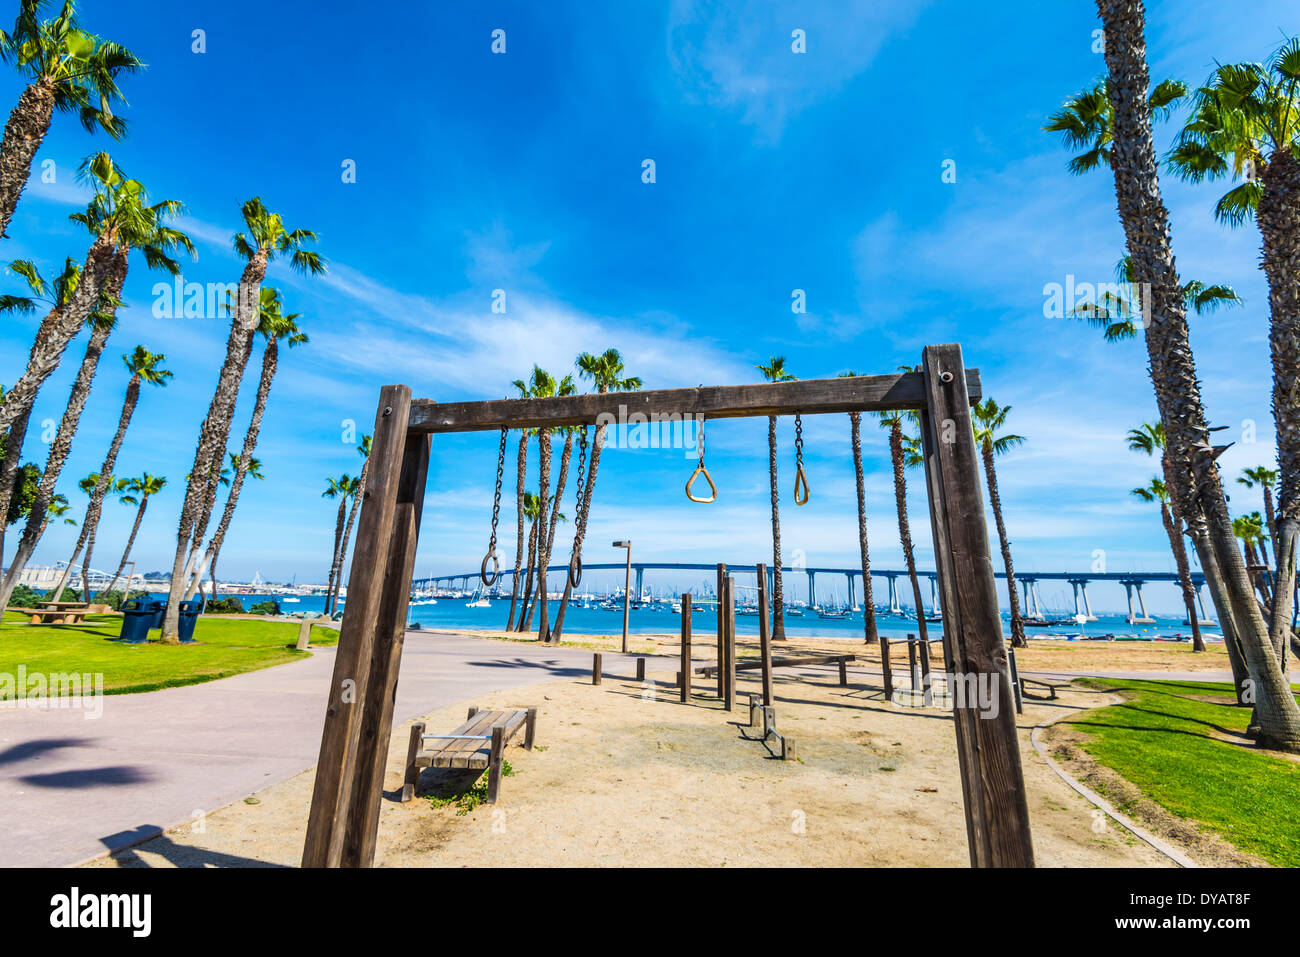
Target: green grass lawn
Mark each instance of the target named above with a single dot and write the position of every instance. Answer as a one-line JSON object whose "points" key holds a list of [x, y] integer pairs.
{"points": [[1161, 740], [225, 647]]}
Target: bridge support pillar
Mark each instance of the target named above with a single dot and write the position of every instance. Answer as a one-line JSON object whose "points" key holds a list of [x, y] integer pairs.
{"points": [[640, 583], [893, 595], [812, 589], [1200, 608], [852, 602], [935, 605], [1081, 609]]}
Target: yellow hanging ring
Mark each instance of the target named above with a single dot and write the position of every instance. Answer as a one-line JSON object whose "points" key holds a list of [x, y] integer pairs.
{"points": [[801, 491], [713, 489]]}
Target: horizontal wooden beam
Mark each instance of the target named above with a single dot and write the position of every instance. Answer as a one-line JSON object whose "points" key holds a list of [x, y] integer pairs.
{"points": [[905, 390]]}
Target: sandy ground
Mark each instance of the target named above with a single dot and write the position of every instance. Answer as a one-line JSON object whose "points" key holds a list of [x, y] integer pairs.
{"points": [[626, 775]]}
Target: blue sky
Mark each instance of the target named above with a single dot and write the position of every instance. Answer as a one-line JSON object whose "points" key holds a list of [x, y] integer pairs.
{"points": [[522, 171]]}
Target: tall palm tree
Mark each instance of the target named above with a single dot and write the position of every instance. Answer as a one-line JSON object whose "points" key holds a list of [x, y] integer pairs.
{"points": [[253, 470], [1265, 478], [118, 217], [606, 372], [364, 451], [341, 488], [989, 418], [1250, 529], [86, 485], [775, 371], [1193, 479], [521, 477], [144, 366], [564, 387], [68, 69], [265, 241], [893, 421], [275, 327], [139, 490], [1149, 438], [1156, 491], [540, 384], [1246, 125], [868, 602], [56, 296]]}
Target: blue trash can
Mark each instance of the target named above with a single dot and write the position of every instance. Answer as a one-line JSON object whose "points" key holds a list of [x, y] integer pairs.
{"points": [[159, 612], [189, 617], [137, 619]]}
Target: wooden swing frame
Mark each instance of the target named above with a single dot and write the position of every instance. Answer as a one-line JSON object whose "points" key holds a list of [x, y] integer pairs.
{"points": [[344, 816]]}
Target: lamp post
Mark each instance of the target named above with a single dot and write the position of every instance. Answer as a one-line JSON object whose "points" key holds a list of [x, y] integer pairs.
{"points": [[627, 587]]}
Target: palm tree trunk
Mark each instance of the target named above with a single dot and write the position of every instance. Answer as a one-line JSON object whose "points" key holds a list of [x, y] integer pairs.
{"points": [[126, 552], [270, 362], [1196, 485], [24, 133], [58, 455], [57, 590], [347, 531], [528, 582], [103, 265], [561, 480], [868, 602], [778, 593], [995, 501], [520, 467], [580, 532], [904, 527], [90, 525], [9, 470], [338, 540], [544, 468], [1184, 574], [213, 435]]}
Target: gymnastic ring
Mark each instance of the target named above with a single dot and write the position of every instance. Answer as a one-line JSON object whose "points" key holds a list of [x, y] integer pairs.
{"points": [[574, 582], [496, 570]]}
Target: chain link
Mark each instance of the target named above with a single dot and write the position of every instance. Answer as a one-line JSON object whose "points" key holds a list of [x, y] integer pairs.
{"points": [[798, 440], [496, 514]]}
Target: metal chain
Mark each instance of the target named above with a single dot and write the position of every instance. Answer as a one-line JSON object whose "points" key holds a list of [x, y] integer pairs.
{"points": [[798, 440], [496, 514], [699, 442], [582, 468]]}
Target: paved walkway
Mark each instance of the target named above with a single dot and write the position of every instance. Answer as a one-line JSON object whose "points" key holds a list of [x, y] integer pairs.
{"points": [[70, 788]]}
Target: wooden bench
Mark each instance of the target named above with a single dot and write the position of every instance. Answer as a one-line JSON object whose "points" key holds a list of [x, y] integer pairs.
{"points": [[755, 664], [475, 745]]}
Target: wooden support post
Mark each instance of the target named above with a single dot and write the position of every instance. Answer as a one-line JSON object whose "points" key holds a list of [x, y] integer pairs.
{"points": [[1017, 689], [386, 657], [927, 698], [494, 762], [595, 668], [884, 666], [993, 784], [304, 634], [844, 674], [764, 635], [911, 664], [722, 634], [332, 792], [412, 751], [640, 669], [729, 663], [530, 729], [684, 676]]}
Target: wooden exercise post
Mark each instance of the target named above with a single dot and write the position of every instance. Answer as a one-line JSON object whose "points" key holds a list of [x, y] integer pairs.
{"points": [[884, 666], [927, 696], [911, 663], [764, 635], [344, 816], [728, 664], [684, 676]]}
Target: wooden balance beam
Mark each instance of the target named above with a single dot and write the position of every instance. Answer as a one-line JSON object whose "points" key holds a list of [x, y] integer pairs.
{"points": [[756, 664]]}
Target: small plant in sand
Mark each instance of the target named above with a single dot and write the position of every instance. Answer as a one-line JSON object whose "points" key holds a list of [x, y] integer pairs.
{"points": [[448, 793]]}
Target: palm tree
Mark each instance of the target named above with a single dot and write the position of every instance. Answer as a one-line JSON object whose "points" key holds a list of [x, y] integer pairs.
{"points": [[364, 451], [540, 385], [144, 366], [341, 488], [275, 327], [564, 387], [1265, 478], [868, 602], [67, 70], [1149, 438], [253, 470], [606, 373], [775, 371], [87, 485], [989, 418], [521, 467], [1250, 529], [56, 295], [1193, 479], [1246, 126], [893, 421], [265, 241], [139, 490], [118, 217], [1116, 315]]}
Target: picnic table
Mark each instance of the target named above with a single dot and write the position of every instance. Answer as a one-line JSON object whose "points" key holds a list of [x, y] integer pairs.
{"points": [[57, 613]]}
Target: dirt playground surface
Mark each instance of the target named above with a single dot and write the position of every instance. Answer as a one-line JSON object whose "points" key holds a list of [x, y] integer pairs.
{"points": [[624, 774]]}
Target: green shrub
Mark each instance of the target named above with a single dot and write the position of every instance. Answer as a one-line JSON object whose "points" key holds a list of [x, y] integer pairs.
{"points": [[24, 597], [113, 599], [265, 608], [226, 606]]}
